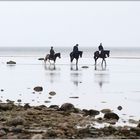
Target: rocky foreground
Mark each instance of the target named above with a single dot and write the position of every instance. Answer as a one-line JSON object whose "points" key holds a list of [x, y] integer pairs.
{"points": [[41, 122]]}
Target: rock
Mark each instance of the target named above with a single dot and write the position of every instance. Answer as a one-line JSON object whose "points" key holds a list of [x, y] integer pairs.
{"points": [[119, 107], [85, 67], [67, 107], [91, 112], [40, 58], [11, 62], [133, 121], [54, 106], [4, 106], [52, 93], [47, 101], [37, 136], [112, 121], [106, 111], [38, 88], [16, 121], [74, 97], [26, 106], [111, 116], [138, 125], [19, 100], [136, 130], [2, 133], [2, 90]]}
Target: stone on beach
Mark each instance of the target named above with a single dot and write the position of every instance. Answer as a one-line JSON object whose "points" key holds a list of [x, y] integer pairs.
{"points": [[67, 107], [11, 62], [111, 116], [106, 111], [52, 93], [38, 88]]}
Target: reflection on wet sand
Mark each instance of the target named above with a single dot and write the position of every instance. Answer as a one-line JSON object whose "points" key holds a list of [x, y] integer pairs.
{"points": [[101, 75], [53, 73], [76, 76], [74, 67], [49, 67]]}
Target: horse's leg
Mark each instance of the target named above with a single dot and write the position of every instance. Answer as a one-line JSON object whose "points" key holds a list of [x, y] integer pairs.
{"points": [[76, 62], [95, 60], [76, 67], [71, 59]]}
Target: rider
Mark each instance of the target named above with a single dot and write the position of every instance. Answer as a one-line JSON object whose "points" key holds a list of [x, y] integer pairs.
{"points": [[75, 49], [52, 52], [101, 49]]}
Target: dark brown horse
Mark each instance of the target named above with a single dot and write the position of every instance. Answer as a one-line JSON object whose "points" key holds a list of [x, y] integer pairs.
{"points": [[104, 54], [52, 58], [75, 56]]}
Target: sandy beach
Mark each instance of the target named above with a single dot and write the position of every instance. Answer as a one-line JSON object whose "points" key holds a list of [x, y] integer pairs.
{"points": [[114, 87]]}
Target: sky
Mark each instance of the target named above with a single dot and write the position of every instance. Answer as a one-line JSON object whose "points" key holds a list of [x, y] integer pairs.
{"points": [[66, 23]]}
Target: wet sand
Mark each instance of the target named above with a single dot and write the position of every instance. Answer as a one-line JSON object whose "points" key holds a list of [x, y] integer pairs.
{"points": [[89, 87]]}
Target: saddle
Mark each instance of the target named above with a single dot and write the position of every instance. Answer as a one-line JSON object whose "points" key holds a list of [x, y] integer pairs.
{"points": [[51, 57]]}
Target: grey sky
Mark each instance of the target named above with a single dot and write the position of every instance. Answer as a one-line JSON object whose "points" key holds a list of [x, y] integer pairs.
{"points": [[60, 23]]}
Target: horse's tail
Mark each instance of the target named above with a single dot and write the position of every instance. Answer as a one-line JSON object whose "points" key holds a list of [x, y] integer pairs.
{"points": [[46, 58]]}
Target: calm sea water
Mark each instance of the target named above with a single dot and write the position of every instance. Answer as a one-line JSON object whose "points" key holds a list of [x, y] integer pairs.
{"points": [[99, 87]]}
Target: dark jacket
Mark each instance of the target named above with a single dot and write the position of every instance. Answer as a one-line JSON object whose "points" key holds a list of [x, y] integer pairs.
{"points": [[75, 49], [100, 48], [52, 52]]}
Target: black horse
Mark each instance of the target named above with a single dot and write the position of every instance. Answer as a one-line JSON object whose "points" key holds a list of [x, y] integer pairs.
{"points": [[52, 58], [76, 56], [104, 54]]}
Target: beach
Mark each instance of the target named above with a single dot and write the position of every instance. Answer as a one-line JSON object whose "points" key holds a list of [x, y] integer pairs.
{"points": [[97, 88]]}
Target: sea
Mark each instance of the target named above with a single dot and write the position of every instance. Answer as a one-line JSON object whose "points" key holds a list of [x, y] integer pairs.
{"points": [[86, 87]]}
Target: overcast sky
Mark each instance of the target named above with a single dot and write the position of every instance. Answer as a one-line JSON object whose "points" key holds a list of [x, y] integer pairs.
{"points": [[60, 23]]}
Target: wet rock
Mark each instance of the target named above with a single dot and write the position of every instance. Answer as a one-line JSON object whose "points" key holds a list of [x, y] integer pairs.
{"points": [[16, 130], [54, 106], [11, 62], [2, 133], [67, 107], [37, 136], [47, 101], [40, 58], [74, 97], [133, 121], [119, 107], [112, 121], [19, 100], [91, 112], [85, 67], [38, 88], [136, 130], [106, 111], [138, 125], [52, 93], [26, 106], [16, 121], [4, 106], [111, 116]]}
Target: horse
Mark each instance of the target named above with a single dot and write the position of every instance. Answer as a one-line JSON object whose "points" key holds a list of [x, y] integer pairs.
{"points": [[104, 54], [75, 56], [52, 58]]}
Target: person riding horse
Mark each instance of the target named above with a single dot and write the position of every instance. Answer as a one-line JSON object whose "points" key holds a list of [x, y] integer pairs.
{"points": [[52, 52], [101, 49], [75, 49]]}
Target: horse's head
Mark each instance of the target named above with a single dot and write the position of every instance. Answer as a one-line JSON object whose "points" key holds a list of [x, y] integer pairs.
{"points": [[108, 53], [58, 55], [80, 53]]}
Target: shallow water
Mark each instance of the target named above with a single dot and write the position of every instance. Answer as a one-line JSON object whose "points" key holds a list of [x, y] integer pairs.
{"points": [[93, 88]]}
